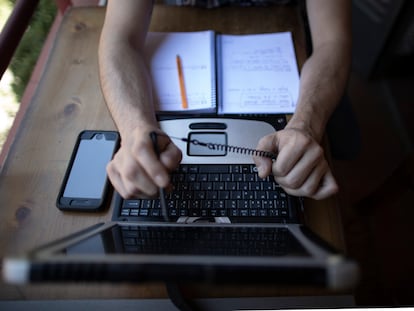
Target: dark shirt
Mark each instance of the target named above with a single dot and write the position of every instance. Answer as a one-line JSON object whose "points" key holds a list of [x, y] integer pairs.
{"points": [[217, 3]]}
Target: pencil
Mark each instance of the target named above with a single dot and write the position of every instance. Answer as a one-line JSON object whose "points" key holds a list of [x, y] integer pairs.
{"points": [[183, 93], [163, 203]]}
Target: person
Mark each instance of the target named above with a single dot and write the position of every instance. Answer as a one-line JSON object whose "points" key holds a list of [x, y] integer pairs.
{"points": [[301, 167]]}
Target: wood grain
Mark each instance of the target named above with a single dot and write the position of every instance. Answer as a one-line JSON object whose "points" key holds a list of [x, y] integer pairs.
{"points": [[69, 100]]}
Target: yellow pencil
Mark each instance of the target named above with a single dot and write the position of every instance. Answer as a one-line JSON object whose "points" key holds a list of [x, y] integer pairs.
{"points": [[184, 103]]}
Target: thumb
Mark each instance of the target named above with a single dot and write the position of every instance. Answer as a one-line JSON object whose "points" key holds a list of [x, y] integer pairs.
{"points": [[267, 143], [327, 187]]}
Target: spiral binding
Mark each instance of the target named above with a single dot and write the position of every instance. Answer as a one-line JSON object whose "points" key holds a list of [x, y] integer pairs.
{"points": [[229, 148]]}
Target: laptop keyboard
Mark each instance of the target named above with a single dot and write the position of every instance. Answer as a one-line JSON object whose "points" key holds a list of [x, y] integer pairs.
{"points": [[199, 240], [216, 190]]}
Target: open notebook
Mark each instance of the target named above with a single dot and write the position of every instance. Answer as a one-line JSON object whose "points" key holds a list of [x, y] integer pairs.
{"points": [[224, 74]]}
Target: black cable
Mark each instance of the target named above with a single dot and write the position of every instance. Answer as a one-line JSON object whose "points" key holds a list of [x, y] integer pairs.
{"points": [[163, 204], [228, 148], [176, 297]]}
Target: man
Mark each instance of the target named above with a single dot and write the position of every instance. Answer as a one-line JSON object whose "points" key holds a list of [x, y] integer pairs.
{"points": [[301, 167]]}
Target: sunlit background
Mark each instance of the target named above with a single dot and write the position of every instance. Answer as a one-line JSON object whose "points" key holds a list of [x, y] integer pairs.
{"points": [[8, 100], [15, 79]]}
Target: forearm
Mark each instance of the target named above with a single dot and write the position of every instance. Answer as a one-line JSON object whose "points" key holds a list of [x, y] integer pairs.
{"points": [[126, 86], [125, 80], [325, 74], [323, 81], [301, 167]]}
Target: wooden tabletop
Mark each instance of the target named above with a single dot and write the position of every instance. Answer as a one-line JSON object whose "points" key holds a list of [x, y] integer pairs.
{"points": [[69, 100]]}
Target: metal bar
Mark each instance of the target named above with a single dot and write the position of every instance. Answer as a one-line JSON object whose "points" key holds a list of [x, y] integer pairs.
{"points": [[14, 29]]}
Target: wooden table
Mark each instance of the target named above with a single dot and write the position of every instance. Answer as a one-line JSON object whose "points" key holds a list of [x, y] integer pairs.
{"points": [[69, 100]]}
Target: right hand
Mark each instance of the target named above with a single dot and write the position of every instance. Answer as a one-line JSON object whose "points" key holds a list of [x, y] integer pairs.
{"points": [[301, 168], [136, 171]]}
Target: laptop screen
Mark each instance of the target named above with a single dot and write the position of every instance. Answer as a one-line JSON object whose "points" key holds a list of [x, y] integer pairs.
{"points": [[202, 252], [191, 240]]}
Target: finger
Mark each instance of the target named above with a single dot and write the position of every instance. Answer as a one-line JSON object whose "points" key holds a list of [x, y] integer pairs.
{"points": [[327, 187], [311, 183], [116, 181], [290, 153], [130, 179], [125, 190], [139, 184], [171, 156], [263, 164], [311, 163], [152, 167], [316, 187]]}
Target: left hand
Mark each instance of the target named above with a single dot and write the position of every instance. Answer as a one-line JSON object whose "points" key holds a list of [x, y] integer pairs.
{"points": [[301, 168]]}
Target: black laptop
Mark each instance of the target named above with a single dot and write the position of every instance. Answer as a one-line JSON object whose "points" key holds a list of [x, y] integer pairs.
{"points": [[225, 225]]}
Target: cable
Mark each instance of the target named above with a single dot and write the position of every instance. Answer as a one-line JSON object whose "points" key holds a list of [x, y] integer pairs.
{"points": [[176, 297], [163, 204], [229, 148]]}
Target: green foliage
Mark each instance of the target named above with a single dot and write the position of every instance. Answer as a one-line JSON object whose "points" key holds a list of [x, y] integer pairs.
{"points": [[31, 45]]}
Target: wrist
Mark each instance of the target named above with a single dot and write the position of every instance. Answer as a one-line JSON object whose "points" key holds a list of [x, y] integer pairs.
{"points": [[314, 128], [139, 126]]}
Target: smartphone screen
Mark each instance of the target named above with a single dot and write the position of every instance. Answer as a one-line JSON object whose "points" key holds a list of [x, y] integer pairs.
{"points": [[86, 180]]}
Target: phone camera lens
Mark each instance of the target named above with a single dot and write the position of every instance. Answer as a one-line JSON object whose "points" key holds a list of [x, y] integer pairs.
{"points": [[99, 136]]}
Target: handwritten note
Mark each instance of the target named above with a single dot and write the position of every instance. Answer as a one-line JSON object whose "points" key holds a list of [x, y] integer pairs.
{"points": [[196, 50], [259, 74]]}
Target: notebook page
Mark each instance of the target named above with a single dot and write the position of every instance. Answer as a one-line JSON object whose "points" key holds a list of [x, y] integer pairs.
{"points": [[196, 50], [258, 74]]}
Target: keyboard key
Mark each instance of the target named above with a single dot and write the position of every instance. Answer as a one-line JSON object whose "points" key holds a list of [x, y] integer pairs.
{"points": [[250, 177], [125, 212], [256, 186], [248, 195], [219, 186], [219, 204], [134, 212], [216, 190], [214, 177], [144, 212], [235, 168], [211, 195], [244, 212], [231, 204], [231, 186], [194, 213], [213, 168], [155, 212], [224, 195], [263, 213], [131, 203], [199, 195], [238, 177], [236, 195], [193, 169], [207, 186]]}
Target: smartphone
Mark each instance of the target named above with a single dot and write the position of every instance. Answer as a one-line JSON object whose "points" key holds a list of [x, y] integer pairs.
{"points": [[85, 186]]}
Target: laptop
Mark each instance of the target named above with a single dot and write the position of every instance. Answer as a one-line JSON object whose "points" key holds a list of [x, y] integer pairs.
{"points": [[225, 224]]}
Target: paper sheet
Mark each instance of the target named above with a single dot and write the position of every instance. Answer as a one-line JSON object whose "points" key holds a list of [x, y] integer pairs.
{"points": [[196, 50], [259, 74]]}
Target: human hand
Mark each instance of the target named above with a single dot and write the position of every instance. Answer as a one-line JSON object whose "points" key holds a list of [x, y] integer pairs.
{"points": [[136, 171], [301, 168]]}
